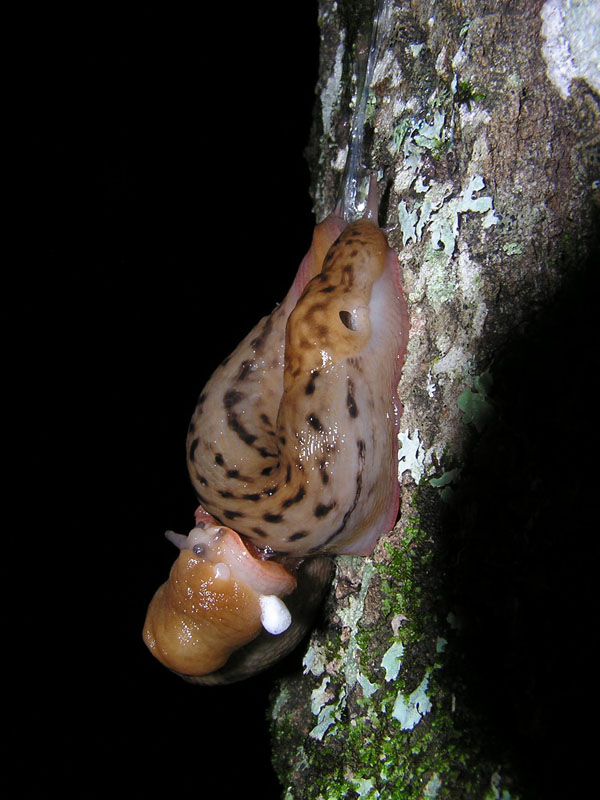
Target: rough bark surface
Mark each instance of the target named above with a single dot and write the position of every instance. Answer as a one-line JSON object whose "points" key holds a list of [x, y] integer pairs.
{"points": [[435, 667]]}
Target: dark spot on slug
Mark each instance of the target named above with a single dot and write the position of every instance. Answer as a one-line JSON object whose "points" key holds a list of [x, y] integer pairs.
{"points": [[314, 308], [246, 368], [265, 420], [288, 473], [193, 448], [295, 499], [232, 514], [201, 479], [350, 511], [254, 497], [267, 470], [237, 427], [350, 401], [328, 289], [357, 493], [219, 459], [259, 342], [225, 493], [232, 397], [314, 422], [270, 491], [298, 535], [233, 473], [282, 439], [322, 510], [273, 517], [259, 532], [266, 453], [310, 386], [324, 473]]}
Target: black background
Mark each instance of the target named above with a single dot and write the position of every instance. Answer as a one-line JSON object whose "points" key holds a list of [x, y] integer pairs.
{"points": [[160, 208]]}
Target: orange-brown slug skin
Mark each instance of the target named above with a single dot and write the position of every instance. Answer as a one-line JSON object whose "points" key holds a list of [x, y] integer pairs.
{"points": [[183, 628]]}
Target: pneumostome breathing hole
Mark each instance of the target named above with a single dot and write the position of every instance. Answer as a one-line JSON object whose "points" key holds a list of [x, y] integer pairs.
{"points": [[349, 320]]}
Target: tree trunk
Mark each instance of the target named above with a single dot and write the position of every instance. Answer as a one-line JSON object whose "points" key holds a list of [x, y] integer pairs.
{"points": [[445, 664]]}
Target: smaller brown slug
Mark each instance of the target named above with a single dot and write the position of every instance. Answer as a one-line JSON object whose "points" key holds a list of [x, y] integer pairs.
{"points": [[216, 599]]}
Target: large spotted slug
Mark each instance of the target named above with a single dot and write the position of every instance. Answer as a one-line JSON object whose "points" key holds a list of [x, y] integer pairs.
{"points": [[293, 438], [292, 450]]}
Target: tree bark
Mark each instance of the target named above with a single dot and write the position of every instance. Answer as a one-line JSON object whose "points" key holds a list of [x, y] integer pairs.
{"points": [[437, 668]]}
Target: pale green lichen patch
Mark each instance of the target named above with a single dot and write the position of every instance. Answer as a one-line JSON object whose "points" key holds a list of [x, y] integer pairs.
{"points": [[438, 213], [496, 792], [443, 224], [512, 249], [412, 455], [280, 701], [409, 711], [433, 786], [571, 30], [315, 660], [320, 696], [368, 688], [445, 479], [365, 787], [392, 660], [326, 718]]}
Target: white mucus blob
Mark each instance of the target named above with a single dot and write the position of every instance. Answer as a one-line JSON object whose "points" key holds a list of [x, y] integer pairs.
{"points": [[274, 614]]}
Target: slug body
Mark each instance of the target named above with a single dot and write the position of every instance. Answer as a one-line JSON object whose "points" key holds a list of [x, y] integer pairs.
{"points": [[294, 438], [293, 444]]}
